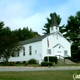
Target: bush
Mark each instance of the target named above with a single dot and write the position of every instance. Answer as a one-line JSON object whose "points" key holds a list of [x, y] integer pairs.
{"points": [[75, 60], [72, 59], [51, 59], [26, 64], [46, 64], [11, 63], [18, 62], [32, 61], [3, 63]]}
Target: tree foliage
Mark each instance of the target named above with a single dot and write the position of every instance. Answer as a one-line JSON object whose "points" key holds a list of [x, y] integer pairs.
{"points": [[72, 30], [9, 40], [8, 46], [25, 33]]}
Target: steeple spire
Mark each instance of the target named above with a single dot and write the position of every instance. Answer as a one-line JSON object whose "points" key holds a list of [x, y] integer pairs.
{"points": [[54, 26], [54, 21]]}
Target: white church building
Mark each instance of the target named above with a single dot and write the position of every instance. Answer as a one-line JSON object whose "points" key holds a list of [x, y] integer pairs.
{"points": [[52, 44]]}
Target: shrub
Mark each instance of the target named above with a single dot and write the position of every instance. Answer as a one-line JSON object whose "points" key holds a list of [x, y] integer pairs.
{"points": [[11, 63], [51, 59], [32, 61], [3, 63], [72, 59], [46, 64], [18, 62], [26, 63], [75, 60]]}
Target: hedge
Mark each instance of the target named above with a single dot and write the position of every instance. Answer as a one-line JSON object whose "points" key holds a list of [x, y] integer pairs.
{"points": [[32, 61], [72, 59], [46, 64], [51, 59], [11, 63]]}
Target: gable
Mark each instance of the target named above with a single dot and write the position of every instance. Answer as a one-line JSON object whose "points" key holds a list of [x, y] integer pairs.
{"points": [[58, 45], [59, 34]]}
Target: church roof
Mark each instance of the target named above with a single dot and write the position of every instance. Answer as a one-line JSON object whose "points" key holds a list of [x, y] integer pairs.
{"points": [[39, 38], [54, 20], [33, 39]]}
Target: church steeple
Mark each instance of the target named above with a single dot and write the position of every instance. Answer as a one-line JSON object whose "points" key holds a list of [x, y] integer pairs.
{"points": [[54, 26]]}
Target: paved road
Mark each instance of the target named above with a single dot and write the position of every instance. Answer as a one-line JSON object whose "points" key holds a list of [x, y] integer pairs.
{"points": [[37, 68]]}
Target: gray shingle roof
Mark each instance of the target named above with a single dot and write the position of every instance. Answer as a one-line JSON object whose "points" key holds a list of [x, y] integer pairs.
{"points": [[33, 40]]}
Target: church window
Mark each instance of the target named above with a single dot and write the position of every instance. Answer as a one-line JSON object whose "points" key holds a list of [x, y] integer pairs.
{"points": [[18, 53], [30, 50], [56, 28], [35, 52], [49, 51], [59, 46], [23, 51], [15, 53], [65, 52], [51, 28], [59, 51]]}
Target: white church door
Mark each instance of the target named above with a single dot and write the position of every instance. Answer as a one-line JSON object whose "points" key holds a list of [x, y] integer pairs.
{"points": [[58, 50]]}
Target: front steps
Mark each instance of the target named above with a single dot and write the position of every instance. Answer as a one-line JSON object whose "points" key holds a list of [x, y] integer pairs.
{"points": [[66, 61]]}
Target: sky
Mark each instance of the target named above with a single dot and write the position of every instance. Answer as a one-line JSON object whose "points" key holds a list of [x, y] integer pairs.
{"points": [[33, 13]]}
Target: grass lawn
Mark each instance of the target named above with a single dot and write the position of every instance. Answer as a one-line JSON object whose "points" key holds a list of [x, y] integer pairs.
{"points": [[77, 64], [39, 75]]}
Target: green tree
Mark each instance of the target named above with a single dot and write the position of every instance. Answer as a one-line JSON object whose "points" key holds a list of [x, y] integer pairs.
{"points": [[7, 46], [25, 33], [8, 42], [72, 30], [47, 26], [1, 27]]}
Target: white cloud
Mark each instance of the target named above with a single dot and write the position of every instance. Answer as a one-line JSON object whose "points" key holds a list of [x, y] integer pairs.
{"points": [[36, 22], [14, 13]]}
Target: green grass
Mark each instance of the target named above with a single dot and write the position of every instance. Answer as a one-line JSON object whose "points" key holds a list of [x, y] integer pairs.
{"points": [[39, 75]]}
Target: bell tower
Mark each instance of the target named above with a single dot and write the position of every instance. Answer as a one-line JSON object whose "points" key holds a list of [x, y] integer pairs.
{"points": [[54, 26]]}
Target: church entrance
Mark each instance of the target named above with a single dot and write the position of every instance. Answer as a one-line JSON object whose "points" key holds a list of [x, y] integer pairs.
{"points": [[58, 50]]}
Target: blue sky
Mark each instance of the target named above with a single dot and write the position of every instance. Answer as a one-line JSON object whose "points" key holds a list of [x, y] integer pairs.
{"points": [[33, 13]]}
